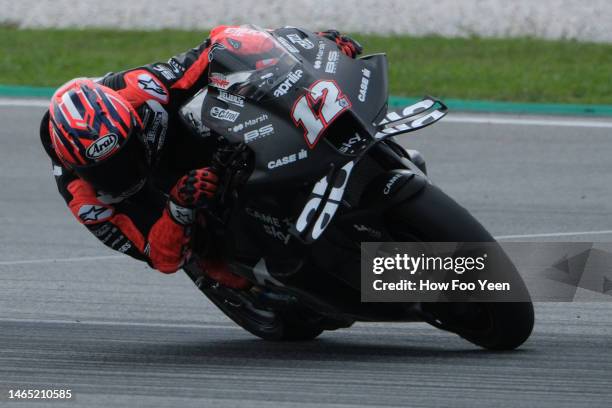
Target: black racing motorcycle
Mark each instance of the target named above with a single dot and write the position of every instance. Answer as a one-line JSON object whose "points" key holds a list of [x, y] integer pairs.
{"points": [[306, 146]]}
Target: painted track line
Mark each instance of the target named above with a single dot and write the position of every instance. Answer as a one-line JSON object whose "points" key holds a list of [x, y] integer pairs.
{"points": [[124, 323], [125, 257], [498, 120], [55, 260], [28, 103], [452, 118], [555, 234]]}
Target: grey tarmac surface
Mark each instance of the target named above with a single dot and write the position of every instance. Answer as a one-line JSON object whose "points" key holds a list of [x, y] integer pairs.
{"points": [[120, 334]]}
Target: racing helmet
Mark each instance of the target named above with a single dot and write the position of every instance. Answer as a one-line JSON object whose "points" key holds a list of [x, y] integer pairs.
{"points": [[97, 133]]}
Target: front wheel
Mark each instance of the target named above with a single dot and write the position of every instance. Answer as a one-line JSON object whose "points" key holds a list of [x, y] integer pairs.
{"points": [[432, 216]]}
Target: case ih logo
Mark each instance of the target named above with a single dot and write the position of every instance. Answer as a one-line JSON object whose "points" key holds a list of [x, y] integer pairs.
{"points": [[102, 147], [363, 88]]}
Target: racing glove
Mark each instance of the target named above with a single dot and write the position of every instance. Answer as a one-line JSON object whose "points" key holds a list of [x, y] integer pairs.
{"points": [[193, 191], [346, 44]]}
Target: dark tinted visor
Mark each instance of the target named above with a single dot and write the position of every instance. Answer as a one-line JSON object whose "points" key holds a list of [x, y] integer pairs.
{"points": [[122, 171]]}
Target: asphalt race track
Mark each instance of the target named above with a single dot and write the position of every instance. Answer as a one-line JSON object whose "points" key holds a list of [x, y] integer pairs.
{"points": [[119, 334]]}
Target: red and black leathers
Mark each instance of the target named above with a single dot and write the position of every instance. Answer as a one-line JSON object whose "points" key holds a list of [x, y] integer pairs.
{"points": [[143, 222], [346, 44]]}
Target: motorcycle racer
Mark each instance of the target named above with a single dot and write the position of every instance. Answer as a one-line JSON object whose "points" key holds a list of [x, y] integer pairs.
{"points": [[126, 166]]}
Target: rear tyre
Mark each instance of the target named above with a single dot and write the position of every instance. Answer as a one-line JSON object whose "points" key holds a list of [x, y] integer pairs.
{"points": [[432, 216], [266, 324], [242, 307]]}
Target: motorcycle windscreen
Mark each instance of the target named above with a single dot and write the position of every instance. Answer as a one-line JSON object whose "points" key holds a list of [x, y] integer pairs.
{"points": [[251, 67]]}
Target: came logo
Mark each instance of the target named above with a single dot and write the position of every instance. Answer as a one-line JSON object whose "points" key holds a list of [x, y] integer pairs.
{"points": [[390, 183], [291, 80], [224, 114], [102, 147]]}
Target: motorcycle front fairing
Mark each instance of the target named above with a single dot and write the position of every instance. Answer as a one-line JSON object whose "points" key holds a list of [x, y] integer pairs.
{"points": [[296, 184]]}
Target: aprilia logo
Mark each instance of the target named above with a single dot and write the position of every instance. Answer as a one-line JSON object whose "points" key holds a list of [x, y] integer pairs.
{"points": [[291, 80]]}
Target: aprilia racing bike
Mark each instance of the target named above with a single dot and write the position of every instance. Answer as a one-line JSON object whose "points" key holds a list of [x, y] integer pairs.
{"points": [[310, 169]]}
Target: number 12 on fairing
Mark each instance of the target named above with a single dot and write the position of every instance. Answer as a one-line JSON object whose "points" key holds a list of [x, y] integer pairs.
{"points": [[318, 108]]}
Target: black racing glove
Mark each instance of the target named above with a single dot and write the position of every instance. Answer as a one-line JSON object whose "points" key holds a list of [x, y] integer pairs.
{"points": [[346, 44]]}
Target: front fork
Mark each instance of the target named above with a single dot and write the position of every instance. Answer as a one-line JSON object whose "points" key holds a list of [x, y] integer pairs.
{"points": [[414, 156]]}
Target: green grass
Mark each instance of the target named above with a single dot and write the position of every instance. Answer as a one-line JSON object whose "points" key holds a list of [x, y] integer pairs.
{"points": [[524, 70]]}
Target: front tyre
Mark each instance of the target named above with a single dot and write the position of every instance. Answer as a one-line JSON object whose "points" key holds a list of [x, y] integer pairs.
{"points": [[432, 216]]}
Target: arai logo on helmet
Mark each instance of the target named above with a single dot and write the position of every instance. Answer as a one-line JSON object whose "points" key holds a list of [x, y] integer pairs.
{"points": [[102, 147]]}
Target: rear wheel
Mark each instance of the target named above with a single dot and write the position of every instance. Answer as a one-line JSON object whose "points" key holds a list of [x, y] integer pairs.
{"points": [[246, 310], [266, 324], [432, 216]]}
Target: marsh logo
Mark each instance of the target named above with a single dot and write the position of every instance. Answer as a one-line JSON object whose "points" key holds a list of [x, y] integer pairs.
{"points": [[319, 57], [102, 147]]}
